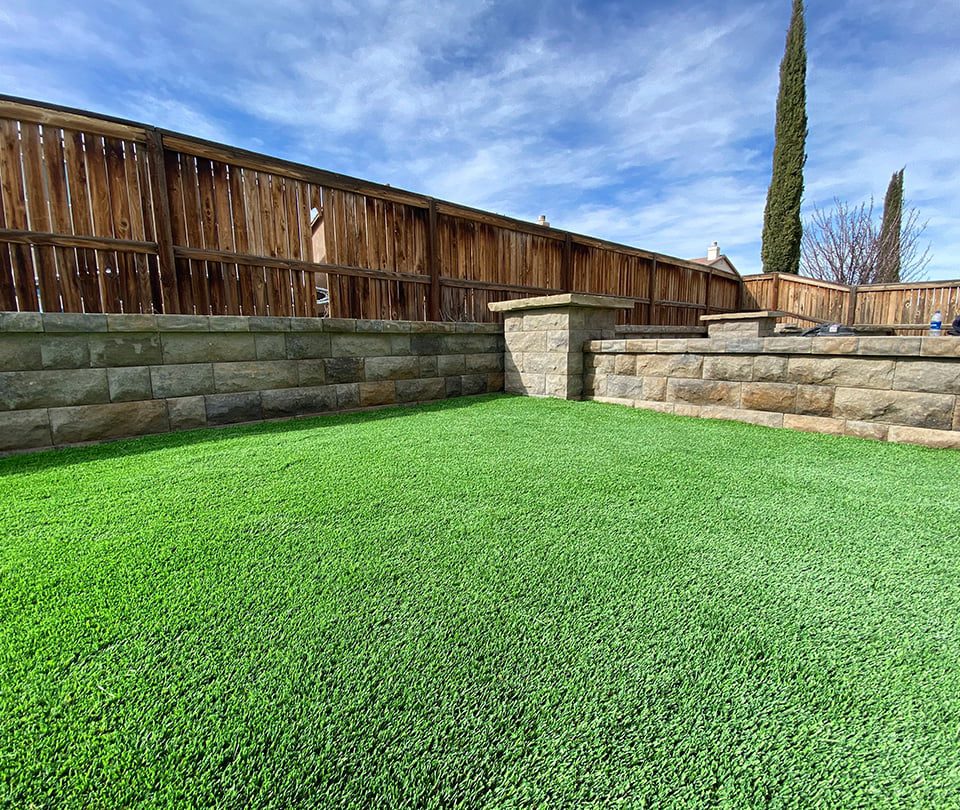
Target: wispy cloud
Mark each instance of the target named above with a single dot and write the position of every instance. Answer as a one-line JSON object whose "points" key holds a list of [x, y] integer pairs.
{"points": [[645, 123]]}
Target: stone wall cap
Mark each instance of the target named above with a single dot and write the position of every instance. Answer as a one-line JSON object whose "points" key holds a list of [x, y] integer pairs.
{"points": [[743, 316], [562, 300]]}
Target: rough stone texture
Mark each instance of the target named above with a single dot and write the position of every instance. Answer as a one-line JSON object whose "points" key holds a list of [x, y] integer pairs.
{"points": [[219, 369], [760, 396], [378, 393], [224, 409], [670, 365], [764, 418], [91, 423], [655, 388], [769, 368], [126, 349], [726, 367], [815, 400], [208, 347], [834, 345], [889, 345], [625, 364], [20, 352], [948, 346], [851, 371], [391, 368], [936, 376], [24, 430], [421, 390], [182, 380], [129, 383], [866, 430], [298, 401], [187, 413], [895, 407], [813, 424], [704, 392], [65, 351], [948, 439], [625, 387], [24, 390], [343, 369], [254, 375]]}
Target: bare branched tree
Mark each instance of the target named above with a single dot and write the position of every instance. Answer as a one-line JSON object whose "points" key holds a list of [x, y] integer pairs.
{"points": [[843, 244]]}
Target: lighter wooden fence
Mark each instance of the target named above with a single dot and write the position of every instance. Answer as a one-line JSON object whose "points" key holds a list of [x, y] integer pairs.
{"points": [[906, 308], [104, 215]]}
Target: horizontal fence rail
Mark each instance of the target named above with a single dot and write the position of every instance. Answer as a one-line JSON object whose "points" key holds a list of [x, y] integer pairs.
{"points": [[104, 215], [906, 308]]}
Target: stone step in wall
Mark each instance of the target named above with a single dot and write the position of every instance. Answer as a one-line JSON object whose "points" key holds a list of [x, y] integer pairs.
{"points": [[67, 378]]}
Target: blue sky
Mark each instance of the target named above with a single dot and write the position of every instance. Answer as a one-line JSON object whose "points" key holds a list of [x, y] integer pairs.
{"points": [[646, 123]]}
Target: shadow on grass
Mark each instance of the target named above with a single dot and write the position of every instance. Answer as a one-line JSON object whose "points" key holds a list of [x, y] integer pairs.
{"points": [[51, 458]]}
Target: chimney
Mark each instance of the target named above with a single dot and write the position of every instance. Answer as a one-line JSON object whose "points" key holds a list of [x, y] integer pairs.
{"points": [[542, 220], [713, 252]]}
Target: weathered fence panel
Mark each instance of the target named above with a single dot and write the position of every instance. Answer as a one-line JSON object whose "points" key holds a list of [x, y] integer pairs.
{"points": [[906, 308], [103, 215]]}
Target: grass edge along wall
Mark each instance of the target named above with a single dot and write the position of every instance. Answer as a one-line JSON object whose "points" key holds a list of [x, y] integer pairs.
{"points": [[106, 215]]}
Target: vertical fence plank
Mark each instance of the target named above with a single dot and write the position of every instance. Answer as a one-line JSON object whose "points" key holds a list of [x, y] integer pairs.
{"points": [[15, 214]]}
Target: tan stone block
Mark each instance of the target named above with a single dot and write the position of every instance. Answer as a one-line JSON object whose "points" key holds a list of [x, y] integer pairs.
{"points": [[527, 341], [695, 345], [654, 388], [20, 351], [895, 407], [788, 345], [815, 400], [284, 402], [651, 405], [686, 409], [866, 430], [182, 380], [348, 395], [889, 345], [225, 409], [703, 392], [593, 345], [944, 346], [726, 367], [604, 363], [129, 383], [131, 322], [562, 386], [762, 396], [669, 365], [769, 368], [495, 381], [956, 415], [66, 351], [947, 439], [813, 424], [546, 319], [849, 371], [835, 345], [937, 376], [625, 364], [641, 345], [672, 345], [133, 348], [392, 368], [421, 390], [87, 423], [626, 387], [346, 344], [561, 340], [270, 346], [382, 392], [513, 322], [773, 420], [23, 430]]}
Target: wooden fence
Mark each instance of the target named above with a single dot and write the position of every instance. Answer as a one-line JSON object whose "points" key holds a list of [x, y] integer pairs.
{"points": [[104, 215], [906, 308]]}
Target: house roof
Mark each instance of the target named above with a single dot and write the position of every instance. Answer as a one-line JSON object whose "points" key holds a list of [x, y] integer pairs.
{"points": [[722, 262]]}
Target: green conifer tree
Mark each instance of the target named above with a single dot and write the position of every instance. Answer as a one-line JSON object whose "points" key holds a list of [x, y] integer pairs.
{"points": [[889, 248], [782, 228]]}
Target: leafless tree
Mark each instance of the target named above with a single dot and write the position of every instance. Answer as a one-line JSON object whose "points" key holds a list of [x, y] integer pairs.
{"points": [[842, 244]]}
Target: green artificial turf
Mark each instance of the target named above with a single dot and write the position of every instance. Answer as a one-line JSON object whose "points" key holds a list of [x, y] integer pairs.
{"points": [[488, 602]]}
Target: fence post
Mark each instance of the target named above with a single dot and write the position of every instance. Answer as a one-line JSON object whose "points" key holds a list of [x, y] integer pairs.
{"points": [[160, 202], [775, 294], [706, 302], [852, 305], [566, 265], [433, 262], [653, 310]]}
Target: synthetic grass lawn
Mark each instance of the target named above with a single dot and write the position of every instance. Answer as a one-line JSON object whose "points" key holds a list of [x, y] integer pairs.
{"points": [[487, 602]]}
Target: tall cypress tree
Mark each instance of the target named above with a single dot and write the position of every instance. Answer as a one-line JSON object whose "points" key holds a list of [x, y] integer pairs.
{"points": [[782, 229], [889, 254]]}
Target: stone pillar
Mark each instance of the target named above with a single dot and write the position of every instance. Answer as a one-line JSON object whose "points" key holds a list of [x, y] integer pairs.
{"points": [[544, 337], [742, 324]]}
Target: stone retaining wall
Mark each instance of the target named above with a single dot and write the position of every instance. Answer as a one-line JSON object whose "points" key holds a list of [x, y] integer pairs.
{"points": [[904, 389], [68, 378]]}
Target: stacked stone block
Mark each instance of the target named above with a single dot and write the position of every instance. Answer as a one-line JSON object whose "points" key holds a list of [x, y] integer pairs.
{"points": [[544, 339], [896, 389], [75, 378]]}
